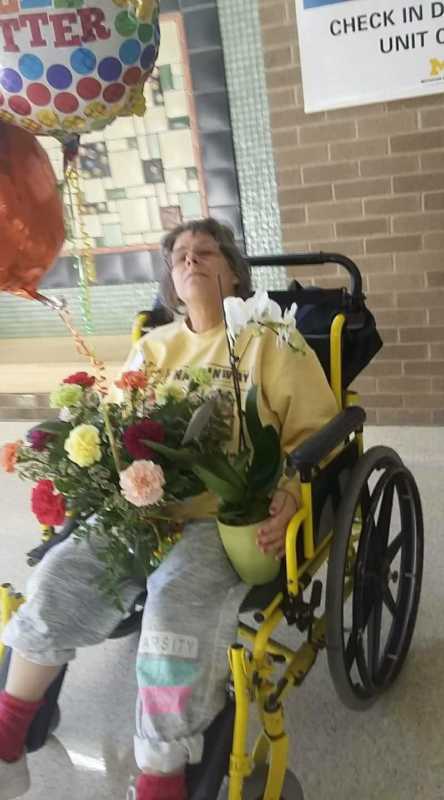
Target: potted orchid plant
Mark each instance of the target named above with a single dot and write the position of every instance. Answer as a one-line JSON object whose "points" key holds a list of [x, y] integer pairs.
{"points": [[244, 481]]}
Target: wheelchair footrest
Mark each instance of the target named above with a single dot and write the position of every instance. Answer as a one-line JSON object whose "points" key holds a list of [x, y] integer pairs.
{"points": [[204, 779]]}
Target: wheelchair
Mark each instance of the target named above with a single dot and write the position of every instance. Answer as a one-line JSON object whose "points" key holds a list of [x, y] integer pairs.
{"points": [[360, 520]]}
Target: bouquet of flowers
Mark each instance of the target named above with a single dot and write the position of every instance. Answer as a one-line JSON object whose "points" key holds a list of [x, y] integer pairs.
{"points": [[95, 461], [120, 467]]}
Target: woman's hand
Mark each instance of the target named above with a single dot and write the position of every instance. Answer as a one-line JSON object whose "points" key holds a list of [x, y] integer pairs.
{"points": [[271, 536]]}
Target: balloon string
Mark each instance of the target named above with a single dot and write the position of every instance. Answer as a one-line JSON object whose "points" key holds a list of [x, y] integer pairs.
{"points": [[55, 303], [86, 253], [70, 150], [83, 254], [83, 349]]}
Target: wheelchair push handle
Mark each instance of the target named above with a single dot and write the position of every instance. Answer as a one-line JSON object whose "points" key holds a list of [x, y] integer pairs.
{"points": [[309, 259]]}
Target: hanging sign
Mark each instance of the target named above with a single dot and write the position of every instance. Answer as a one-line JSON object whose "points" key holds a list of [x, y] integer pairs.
{"points": [[355, 52]]}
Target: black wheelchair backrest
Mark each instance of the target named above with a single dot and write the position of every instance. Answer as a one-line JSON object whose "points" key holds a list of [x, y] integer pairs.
{"points": [[315, 313], [316, 310]]}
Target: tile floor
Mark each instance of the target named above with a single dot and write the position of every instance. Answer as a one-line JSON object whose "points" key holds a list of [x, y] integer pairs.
{"points": [[392, 752]]}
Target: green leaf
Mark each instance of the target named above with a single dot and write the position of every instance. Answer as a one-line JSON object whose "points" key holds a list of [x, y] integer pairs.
{"points": [[241, 461], [184, 456], [221, 488], [254, 509], [199, 421], [254, 424], [220, 466], [56, 427], [267, 460], [213, 469], [266, 465]]}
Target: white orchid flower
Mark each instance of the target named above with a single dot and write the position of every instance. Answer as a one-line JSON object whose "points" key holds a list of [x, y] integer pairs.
{"points": [[260, 312], [237, 316], [255, 304], [262, 309], [287, 326], [289, 316]]}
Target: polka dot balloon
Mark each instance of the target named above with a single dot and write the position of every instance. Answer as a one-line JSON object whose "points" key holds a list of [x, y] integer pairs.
{"points": [[67, 66]]}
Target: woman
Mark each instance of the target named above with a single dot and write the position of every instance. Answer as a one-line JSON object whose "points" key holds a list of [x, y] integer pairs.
{"points": [[182, 663]]}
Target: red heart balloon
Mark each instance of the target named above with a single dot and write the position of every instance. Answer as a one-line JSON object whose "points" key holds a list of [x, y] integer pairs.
{"points": [[31, 211]]}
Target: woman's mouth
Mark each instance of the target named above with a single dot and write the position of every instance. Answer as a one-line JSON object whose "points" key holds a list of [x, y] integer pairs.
{"points": [[196, 275]]}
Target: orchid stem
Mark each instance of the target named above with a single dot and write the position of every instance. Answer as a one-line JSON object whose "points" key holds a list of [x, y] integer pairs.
{"points": [[111, 438], [276, 332], [234, 372]]}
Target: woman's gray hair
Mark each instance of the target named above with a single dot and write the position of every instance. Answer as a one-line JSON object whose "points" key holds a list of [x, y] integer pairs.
{"points": [[224, 237]]}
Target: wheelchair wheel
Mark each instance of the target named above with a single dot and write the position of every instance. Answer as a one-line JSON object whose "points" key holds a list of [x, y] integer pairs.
{"points": [[254, 786], [374, 577]]}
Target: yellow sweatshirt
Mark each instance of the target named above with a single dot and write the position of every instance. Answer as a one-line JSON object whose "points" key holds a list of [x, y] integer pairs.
{"points": [[294, 395]]}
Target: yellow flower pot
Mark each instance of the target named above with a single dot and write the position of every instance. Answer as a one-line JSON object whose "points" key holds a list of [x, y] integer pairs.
{"points": [[252, 566]]}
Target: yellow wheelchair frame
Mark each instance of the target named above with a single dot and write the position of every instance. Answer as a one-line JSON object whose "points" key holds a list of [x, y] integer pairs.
{"points": [[252, 667], [253, 663], [359, 556]]}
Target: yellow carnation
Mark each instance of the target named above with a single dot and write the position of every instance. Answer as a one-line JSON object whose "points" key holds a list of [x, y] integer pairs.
{"points": [[174, 390], [83, 445]]}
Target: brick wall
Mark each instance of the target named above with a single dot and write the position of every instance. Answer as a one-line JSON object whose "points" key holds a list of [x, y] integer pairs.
{"points": [[368, 182]]}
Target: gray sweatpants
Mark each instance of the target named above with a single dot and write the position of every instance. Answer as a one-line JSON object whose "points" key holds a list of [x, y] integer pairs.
{"points": [[190, 620]]}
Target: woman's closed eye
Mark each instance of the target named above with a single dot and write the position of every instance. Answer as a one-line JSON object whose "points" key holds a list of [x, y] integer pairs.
{"points": [[179, 258]]}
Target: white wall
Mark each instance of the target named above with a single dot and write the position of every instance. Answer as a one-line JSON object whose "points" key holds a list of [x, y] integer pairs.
{"points": [[38, 365]]}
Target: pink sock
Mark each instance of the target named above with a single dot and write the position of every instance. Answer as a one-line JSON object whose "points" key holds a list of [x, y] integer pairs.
{"points": [[160, 787], [15, 718]]}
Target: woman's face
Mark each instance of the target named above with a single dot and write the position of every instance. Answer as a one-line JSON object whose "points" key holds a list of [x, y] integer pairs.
{"points": [[197, 263]]}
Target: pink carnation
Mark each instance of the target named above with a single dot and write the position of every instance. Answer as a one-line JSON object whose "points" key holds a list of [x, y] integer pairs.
{"points": [[142, 483]]}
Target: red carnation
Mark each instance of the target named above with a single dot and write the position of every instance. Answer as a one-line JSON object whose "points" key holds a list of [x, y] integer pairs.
{"points": [[81, 379], [48, 507], [134, 436]]}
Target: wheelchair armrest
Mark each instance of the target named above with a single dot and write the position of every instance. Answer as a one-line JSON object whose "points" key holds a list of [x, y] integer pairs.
{"points": [[317, 447]]}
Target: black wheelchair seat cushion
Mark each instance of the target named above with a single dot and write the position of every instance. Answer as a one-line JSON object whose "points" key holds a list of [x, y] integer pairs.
{"points": [[259, 597]]}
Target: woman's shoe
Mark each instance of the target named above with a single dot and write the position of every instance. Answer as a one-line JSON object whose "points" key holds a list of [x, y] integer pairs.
{"points": [[14, 779]]}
